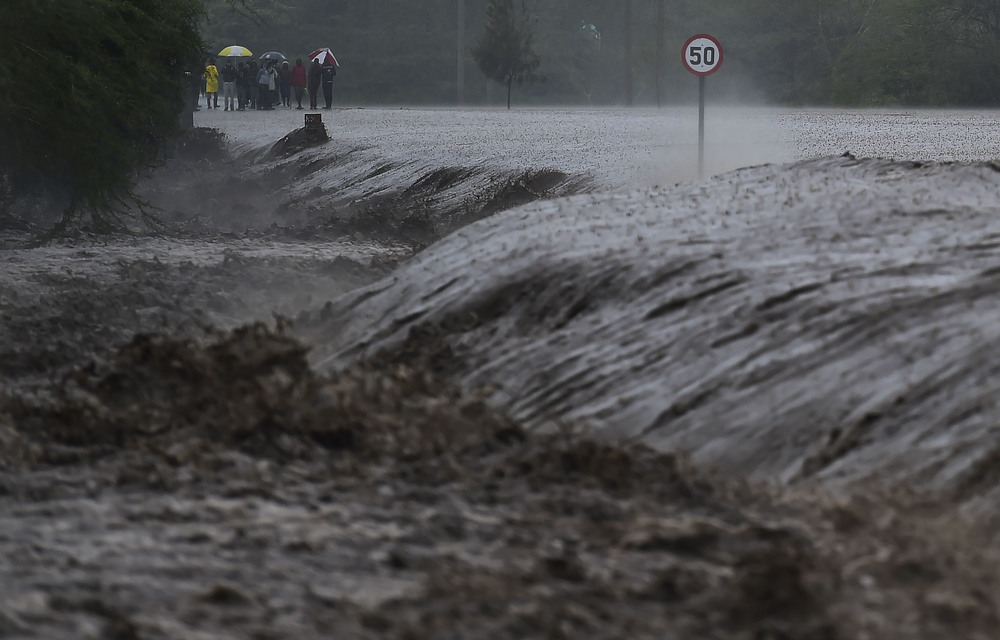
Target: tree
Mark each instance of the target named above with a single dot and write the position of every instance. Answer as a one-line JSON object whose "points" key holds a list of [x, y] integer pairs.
{"points": [[111, 74], [505, 52]]}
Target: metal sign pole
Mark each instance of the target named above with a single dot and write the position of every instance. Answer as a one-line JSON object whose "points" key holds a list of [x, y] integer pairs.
{"points": [[701, 127]]}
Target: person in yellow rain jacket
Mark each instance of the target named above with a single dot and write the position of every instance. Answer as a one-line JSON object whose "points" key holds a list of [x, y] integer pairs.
{"points": [[212, 84]]}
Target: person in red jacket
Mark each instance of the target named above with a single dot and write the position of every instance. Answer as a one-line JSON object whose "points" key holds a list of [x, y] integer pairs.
{"points": [[299, 81]]}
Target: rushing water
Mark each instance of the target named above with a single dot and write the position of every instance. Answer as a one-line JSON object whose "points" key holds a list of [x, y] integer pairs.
{"points": [[830, 318]]}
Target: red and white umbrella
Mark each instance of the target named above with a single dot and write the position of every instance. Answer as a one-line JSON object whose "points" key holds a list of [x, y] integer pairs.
{"points": [[324, 56]]}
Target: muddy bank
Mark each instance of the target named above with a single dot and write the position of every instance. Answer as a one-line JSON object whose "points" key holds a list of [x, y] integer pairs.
{"points": [[77, 301]]}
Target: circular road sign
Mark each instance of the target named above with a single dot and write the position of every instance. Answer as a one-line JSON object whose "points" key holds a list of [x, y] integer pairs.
{"points": [[702, 54]]}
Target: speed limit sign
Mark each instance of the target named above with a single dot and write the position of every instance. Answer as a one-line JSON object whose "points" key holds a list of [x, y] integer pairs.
{"points": [[702, 54]]}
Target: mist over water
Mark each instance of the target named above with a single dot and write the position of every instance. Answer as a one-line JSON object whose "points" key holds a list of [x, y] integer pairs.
{"points": [[735, 137]]}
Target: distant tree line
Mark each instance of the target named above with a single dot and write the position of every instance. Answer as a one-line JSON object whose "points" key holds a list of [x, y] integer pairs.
{"points": [[829, 52]]}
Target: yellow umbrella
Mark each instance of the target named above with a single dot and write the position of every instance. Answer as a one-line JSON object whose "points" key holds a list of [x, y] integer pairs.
{"points": [[235, 50]]}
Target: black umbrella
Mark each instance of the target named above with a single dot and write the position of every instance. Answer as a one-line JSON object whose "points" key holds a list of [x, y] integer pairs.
{"points": [[273, 55]]}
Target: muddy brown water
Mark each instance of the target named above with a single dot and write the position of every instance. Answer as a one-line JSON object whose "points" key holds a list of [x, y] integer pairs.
{"points": [[172, 465]]}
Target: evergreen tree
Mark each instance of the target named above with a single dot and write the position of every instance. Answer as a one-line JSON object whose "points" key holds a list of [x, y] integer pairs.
{"points": [[92, 91], [505, 52]]}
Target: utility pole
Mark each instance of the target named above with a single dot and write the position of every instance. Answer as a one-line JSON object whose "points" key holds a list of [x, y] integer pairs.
{"points": [[628, 53], [661, 10], [460, 75]]}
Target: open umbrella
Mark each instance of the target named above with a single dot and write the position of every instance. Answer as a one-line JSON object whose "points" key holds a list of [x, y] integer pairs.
{"points": [[235, 50], [324, 56], [273, 55]]}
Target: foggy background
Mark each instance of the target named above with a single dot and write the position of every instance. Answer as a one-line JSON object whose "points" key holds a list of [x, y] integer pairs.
{"points": [[594, 52]]}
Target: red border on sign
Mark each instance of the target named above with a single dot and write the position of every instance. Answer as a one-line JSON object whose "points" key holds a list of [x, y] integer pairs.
{"points": [[685, 48]]}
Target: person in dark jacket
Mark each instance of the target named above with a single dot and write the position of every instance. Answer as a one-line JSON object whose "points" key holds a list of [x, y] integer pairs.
{"points": [[328, 72], [263, 90], [298, 81], [315, 76], [285, 84], [241, 86], [252, 91], [229, 85]]}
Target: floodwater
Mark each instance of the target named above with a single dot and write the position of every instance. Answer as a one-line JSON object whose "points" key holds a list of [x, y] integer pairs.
{"points": [[830, 318], [478, 373]]}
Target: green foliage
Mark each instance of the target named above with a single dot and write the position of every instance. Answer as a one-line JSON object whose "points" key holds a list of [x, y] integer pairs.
{"points": [[93, 89], [505, 53]]}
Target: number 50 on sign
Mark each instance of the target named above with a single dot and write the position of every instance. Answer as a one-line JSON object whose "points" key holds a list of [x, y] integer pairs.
{"points": [[702, 54]]}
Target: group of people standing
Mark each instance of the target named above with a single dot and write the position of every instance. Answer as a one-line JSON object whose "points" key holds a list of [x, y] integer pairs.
{"points": [[262, 86]]}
